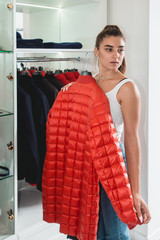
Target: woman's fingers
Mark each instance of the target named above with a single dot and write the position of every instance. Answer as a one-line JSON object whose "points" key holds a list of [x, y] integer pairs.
{"points": [[137, 205], [66, 87], [142, 209], [145, 213]]}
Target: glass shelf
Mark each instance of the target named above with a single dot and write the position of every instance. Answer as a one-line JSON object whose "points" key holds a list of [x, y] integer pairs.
{"points": [[5, 177], [5, 51], [4, 113], [6, 204]]}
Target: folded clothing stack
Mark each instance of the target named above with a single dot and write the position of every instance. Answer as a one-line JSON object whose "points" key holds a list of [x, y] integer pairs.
{"points": [[38, 43], [73, 45], [29, 43]]}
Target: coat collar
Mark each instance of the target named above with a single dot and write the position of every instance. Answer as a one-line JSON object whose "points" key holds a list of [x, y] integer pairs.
{"points": [[85, 79]]}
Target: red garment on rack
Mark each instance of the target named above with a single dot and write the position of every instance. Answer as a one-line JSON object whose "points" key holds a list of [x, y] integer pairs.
{"points": [[27, 71], [70, 76], [61, 77], [43, 73], [76, 74], [32, 71]]}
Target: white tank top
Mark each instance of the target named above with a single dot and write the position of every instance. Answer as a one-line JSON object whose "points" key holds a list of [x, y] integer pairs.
{"points": [[115, 108]]}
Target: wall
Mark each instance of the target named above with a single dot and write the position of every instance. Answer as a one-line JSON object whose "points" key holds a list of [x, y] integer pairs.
{"points": [[154, 120], [132, 17], [26, 26], [42, 24], [83, 23]]}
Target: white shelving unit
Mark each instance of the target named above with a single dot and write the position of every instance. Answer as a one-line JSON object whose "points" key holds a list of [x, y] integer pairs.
{"points": [[51, 50], [64, 21], [53, 21]]}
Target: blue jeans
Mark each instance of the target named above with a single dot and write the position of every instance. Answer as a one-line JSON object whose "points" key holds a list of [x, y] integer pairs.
{"points": [[110, 227]]}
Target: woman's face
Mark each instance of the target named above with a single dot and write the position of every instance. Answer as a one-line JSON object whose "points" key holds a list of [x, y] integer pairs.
{"points": [[111, 53]]}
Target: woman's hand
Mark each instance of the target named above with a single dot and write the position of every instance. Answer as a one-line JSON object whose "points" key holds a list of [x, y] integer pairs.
{"points": [[65, 88], [141, 209]]}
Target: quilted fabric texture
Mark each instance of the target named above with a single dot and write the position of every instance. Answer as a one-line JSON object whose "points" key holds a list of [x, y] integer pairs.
{"points": [[83, 149]]}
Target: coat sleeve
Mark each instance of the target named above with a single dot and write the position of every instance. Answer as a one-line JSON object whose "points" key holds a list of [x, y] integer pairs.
{"points": [[108, 160], [53, 169], [48, 178]]}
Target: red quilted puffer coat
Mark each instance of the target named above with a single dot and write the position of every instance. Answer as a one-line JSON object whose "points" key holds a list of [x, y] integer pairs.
{"points": [[83, 149]]}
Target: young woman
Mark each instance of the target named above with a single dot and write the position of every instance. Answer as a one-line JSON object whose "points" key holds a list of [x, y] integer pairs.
{"points": [[124, 99]]}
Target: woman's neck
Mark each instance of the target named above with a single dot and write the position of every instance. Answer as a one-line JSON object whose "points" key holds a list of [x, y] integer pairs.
{"points": [[109, 75]]}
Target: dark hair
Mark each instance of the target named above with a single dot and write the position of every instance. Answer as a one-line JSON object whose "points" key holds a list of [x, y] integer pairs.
{"points": [[108, 31]]}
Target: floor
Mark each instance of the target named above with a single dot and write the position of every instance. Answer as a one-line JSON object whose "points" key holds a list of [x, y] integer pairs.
{"points": [[30, 209]]}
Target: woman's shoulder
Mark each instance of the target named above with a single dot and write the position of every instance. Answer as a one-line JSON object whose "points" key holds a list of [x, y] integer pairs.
{"points": [[128, 84], [129, 89]]}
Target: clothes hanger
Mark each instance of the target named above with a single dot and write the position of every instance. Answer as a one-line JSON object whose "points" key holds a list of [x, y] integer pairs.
{"points": [[58, 71], [22, 66], [49, 72], [74, 69], [67, 70], [84, 73], [37, 73], [40, 68], [25, 73], [33, 68]]}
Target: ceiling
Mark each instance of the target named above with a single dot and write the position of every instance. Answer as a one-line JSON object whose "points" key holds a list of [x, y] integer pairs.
{"points": [[57, 3]]}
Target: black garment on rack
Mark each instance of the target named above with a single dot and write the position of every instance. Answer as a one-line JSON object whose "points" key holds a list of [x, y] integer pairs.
{"points": [[54, 81], [40, 109], [47, 88], [71, 237], [28, 157], [50, 92]]}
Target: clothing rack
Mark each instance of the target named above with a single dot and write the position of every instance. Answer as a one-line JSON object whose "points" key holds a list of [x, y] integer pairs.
{"points": [[45, 59]]}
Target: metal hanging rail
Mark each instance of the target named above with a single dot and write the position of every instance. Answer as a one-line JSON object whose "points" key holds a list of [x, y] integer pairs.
{"points": [[45, 59]]}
